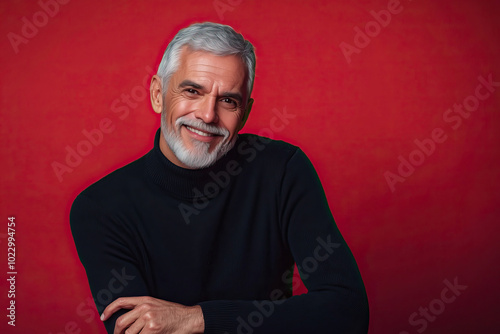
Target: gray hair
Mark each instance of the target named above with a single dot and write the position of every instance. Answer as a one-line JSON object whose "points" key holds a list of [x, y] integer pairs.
{"points": [[215, 38]]}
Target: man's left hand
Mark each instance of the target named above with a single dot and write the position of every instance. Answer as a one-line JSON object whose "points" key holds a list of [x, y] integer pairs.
{"points": [[149, 315]]}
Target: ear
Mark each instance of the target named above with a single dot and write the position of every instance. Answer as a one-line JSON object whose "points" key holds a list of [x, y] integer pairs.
{"points": [[155, 91], [246, 114]]}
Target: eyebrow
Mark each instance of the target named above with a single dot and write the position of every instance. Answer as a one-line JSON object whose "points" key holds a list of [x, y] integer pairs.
{"points": [[189, 83]]}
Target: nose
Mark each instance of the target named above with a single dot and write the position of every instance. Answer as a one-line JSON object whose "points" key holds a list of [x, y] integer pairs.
{"points": [[207, 110]]}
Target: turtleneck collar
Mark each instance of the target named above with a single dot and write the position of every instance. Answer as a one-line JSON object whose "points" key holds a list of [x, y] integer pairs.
{"points": [[181, 182]]}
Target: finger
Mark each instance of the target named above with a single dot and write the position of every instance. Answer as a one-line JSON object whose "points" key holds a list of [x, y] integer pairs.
{"points": [[120, 303], [137, 326], [127, 320]]}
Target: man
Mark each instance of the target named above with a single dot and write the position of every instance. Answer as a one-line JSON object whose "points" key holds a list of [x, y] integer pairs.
{"points": [[200, 235]]}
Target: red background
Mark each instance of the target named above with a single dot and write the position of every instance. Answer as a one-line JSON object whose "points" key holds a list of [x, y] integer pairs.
{"points": [[352, 119]]}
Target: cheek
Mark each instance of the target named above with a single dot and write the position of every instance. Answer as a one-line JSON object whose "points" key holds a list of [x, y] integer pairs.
{"points": [[230, 121], [178, 107]]}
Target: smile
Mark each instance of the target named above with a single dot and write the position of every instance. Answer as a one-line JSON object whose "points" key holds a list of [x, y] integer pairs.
{"points": [[199, 132]]}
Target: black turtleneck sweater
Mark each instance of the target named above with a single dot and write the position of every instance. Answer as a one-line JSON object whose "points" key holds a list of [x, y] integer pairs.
{"points": [[224, 237]]}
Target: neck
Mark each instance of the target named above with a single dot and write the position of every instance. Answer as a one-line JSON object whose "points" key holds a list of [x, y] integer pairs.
{"points": [[184, 183]]}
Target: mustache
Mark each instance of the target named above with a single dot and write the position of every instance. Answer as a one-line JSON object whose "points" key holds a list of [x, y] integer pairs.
{"points": [[199, 124]]}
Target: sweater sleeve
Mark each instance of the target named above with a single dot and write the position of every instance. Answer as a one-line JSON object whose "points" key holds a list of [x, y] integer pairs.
{"points": [[336, 301], [103, 246]]}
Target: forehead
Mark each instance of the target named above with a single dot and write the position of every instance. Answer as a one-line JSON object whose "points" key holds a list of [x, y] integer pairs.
{"points": [[227, 71]]}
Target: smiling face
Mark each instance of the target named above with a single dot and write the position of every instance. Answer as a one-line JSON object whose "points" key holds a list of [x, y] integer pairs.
{"points": [[204, 107]]}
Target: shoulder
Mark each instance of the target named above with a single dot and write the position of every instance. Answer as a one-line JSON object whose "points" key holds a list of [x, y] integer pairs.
{"points": [[251, 146], [273, 153], [271, 159], [104, 212], [115, 187]]}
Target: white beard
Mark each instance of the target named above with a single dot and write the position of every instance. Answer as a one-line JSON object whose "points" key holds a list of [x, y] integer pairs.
{"points": [[199, 156]]}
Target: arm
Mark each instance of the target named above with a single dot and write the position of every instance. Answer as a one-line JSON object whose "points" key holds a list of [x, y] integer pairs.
{"points": [[336, 301], [104, 247]]}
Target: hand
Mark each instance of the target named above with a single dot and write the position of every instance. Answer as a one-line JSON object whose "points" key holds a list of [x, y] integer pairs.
{"points": [[149, 315]]}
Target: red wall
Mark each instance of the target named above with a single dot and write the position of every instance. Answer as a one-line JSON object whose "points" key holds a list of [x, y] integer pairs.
{"points": [[357, 117]]}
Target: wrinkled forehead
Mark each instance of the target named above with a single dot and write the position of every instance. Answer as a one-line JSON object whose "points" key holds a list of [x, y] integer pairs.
{"points": [[228, 71]]}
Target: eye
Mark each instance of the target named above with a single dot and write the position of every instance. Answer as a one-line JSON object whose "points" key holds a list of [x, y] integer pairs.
{"points": [[229, 102], [191, 91]]}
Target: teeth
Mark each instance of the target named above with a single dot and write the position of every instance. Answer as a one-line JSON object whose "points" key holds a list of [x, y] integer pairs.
{"points": [[201, 133]]}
